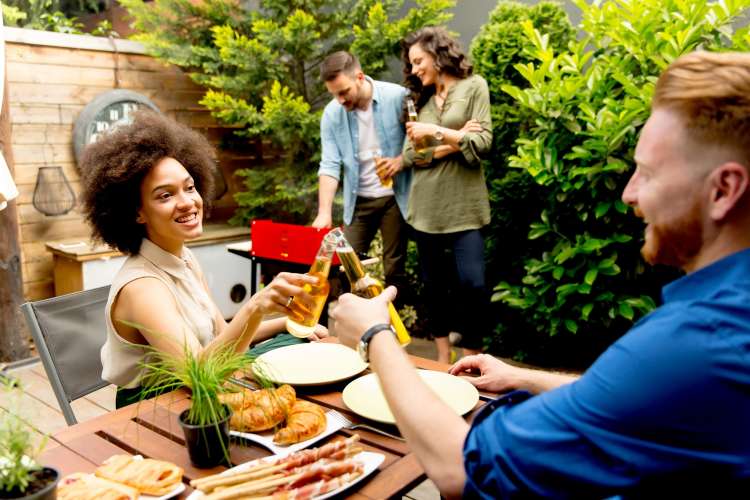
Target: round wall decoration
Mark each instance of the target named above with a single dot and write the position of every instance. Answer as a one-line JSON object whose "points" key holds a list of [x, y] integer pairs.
{"points": [[106, 111]]}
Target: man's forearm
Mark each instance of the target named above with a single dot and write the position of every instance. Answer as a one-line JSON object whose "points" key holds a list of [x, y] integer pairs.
{"points": [[326, 192], [537, 381], [434, 432]]}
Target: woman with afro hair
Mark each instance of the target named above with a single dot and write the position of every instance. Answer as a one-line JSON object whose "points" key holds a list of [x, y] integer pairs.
{"points": [[146, 188]]}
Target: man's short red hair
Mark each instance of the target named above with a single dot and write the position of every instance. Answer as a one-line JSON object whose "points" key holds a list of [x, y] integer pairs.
{"points": [[711, 91]]}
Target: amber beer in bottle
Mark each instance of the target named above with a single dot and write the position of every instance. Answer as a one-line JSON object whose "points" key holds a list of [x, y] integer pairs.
{"points": [[319, 292], [366, 286], [411, 110]]}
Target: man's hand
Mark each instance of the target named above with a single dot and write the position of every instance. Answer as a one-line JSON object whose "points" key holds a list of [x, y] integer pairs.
{"points": [[354, 315], [323, 221], [494, 375], [388, 167]]}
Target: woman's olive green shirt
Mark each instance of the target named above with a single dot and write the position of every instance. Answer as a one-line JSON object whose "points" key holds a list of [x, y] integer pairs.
{"points": [[450, 195]]}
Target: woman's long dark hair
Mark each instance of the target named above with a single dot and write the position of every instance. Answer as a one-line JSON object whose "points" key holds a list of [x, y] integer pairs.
{"points": [[449, 59]]}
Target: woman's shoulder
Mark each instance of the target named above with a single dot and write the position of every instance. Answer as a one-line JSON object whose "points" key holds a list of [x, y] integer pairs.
{"points": [[475, 82]]}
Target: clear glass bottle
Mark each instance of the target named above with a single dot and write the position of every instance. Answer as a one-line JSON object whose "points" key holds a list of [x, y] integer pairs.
{"points": [[366, 286], [411, 109], [320, 269]]}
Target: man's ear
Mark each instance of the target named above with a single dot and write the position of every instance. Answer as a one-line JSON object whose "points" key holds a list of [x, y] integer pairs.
{"points": [[729, 184]]}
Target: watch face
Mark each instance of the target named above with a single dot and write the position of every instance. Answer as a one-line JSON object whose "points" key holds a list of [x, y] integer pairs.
{"points": [[362, 350]]}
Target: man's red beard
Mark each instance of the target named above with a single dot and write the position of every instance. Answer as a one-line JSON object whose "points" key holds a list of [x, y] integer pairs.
{"points": [[675, 243]]}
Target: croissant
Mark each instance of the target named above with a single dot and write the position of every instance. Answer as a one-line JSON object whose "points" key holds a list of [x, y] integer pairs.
{"points": [[237, 400], [305, 420], [259, 410], [148, 476], [80, 486]]}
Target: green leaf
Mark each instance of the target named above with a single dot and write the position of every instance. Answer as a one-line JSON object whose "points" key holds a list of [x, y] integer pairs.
{"points": [[626, 311], [558, 272], [586, 310], [571, 325], [591, 276]]}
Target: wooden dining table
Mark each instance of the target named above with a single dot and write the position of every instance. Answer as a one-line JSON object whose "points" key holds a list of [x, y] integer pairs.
{"points": [[151, 429]]}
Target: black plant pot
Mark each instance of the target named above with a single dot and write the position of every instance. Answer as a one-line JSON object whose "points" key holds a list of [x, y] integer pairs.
{"points": [[207, 445], [46, 484]]}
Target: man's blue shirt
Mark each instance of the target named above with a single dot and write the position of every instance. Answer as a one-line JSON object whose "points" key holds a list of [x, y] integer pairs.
{"points": [[667, 405], [339, 138]]}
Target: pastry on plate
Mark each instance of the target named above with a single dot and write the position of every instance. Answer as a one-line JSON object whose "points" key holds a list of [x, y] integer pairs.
{"points": [[148, 476], [305, 420], [255, 411], [80, 486]]}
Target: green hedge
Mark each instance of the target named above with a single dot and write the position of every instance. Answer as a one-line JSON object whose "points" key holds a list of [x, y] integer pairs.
{"points": [[583, 282]]}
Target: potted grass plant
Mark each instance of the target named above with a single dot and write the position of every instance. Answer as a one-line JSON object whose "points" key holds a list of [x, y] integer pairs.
{"points": [[21, 477], [206, 423]]}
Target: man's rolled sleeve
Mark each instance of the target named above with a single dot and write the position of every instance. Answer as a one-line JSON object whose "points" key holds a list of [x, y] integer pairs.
{"points": [[331, 159]]}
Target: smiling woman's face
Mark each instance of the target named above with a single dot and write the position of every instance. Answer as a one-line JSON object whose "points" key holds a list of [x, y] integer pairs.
{"points": [[171, 207], [422, 65]]}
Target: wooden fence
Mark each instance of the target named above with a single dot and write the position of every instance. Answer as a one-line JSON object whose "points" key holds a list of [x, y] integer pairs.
{"points": [[51, 77]]}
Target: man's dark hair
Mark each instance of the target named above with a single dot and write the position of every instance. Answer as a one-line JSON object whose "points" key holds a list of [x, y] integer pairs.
{"points": [[113, 168], [337, 63]]}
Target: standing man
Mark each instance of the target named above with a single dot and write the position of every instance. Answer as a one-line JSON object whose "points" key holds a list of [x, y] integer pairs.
{"points": [[362, 125], [664, 412]]}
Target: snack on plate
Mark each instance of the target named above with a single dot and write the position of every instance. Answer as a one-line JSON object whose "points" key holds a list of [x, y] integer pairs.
{"points": [[303, 474], [305, 420], [255, 411], [80, 486], [148, 476]]}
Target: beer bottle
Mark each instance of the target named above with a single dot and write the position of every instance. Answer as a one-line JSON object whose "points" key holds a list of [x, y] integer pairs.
{"points": [[411, 109], [366, 286], [319, 292]]}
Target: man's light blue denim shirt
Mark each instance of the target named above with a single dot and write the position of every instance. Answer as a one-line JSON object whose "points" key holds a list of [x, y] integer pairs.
{"points": [[340, 142]]}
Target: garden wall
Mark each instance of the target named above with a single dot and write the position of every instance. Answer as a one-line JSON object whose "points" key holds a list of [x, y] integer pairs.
{"points": [[51, 77]]}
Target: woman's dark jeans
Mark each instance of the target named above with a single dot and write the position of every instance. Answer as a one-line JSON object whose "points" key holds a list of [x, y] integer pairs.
{"points": [[453, 269]]}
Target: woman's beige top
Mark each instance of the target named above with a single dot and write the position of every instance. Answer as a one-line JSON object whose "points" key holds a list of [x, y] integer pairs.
{"points": [[121, 359], [450, 195]]}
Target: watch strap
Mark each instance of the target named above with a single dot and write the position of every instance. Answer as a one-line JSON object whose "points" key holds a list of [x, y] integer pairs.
{"points": [[368, 335]]}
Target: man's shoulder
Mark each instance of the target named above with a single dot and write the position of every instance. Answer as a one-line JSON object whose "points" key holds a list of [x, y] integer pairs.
{"points": [[333, 112], [390, 89]]}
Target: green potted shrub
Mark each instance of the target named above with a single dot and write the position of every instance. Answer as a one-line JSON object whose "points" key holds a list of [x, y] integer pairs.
{"points": [[21, 477], [206, 422]]}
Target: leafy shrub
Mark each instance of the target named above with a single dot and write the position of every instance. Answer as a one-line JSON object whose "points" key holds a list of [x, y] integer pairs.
{"points": [[496, 49], [582, 269], [261, 71]]}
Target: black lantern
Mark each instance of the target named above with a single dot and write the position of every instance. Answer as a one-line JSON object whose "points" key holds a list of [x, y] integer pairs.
{"points": [[52, 192]]}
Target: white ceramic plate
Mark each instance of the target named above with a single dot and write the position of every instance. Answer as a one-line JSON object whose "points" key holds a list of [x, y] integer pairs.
{"points": [[365, 397], [265, 439], [370, 460], [313, 363]]}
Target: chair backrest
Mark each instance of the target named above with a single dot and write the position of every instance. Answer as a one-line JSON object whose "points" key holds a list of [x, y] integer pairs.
{"points": [[69, 331]]}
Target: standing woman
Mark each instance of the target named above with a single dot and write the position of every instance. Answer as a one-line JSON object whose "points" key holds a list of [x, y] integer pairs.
{"points": [[146, 187], [448, 202]]}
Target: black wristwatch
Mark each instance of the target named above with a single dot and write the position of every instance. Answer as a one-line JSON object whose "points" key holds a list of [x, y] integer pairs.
{"points": [[363, 348]]}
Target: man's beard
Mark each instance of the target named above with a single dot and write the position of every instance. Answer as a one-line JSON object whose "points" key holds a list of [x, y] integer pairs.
{"points": [[677, 242]]}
